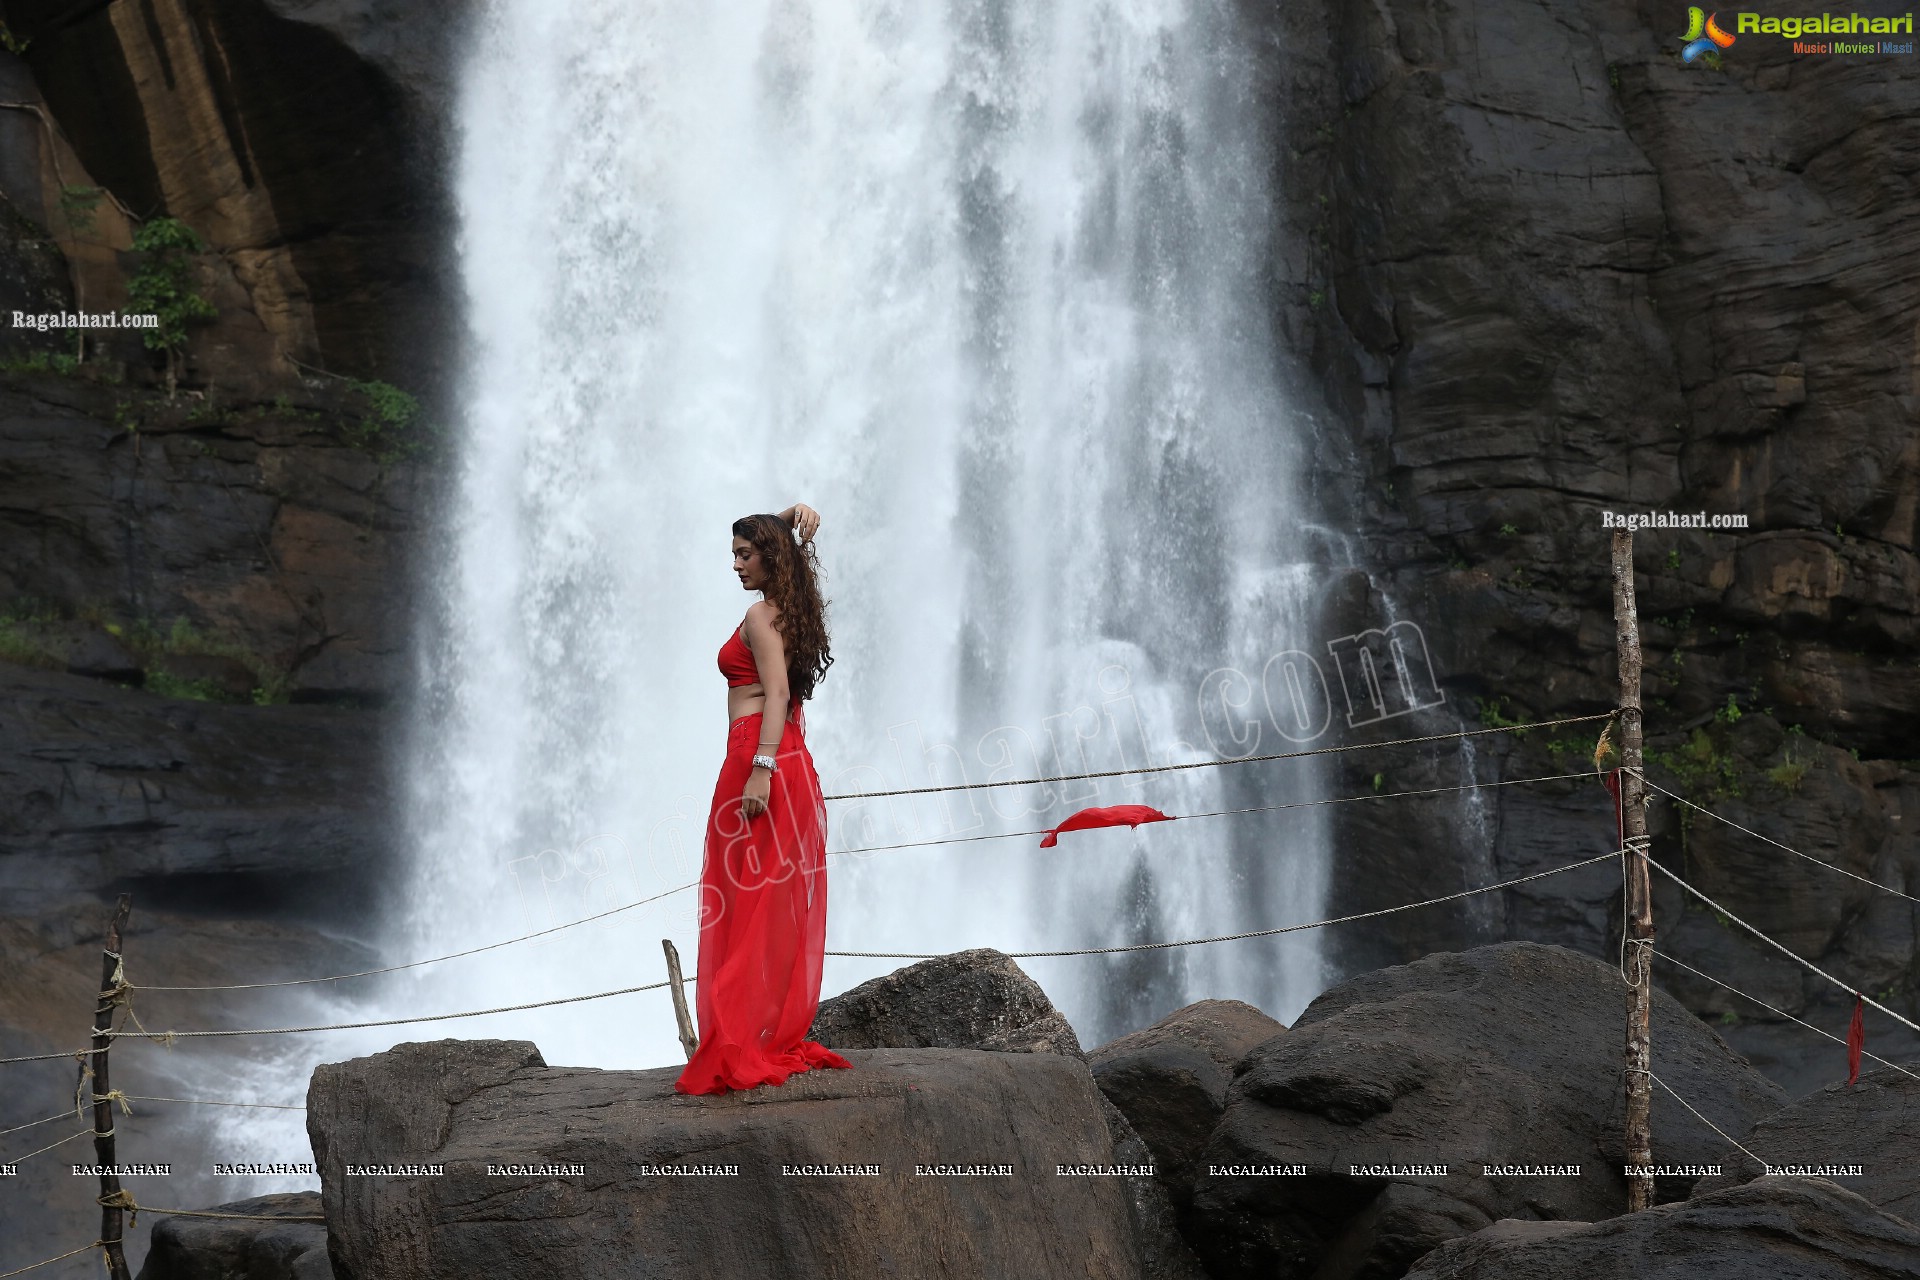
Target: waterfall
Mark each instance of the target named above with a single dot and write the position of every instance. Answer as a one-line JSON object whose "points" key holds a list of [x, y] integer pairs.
{"points": [[985, 284]]}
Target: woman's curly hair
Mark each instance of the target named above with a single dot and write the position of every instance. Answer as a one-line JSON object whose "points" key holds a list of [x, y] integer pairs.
{"points": [[793, 587]]}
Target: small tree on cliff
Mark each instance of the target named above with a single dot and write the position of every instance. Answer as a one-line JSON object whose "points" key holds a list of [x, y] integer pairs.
{"points": [[164, 288]]}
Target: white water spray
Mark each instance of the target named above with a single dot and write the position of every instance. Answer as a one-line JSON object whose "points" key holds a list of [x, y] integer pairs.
{"points": [[981, 282]]}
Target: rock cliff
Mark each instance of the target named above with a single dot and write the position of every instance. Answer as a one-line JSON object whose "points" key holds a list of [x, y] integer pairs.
{"points": [[1532, 268]]}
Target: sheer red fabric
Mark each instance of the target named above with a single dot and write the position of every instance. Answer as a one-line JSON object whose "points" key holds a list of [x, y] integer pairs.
{"points": [[763, 923], [1113, 815]]}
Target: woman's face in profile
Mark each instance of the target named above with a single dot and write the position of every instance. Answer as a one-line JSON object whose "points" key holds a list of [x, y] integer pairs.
{"points": [[748, 565]]}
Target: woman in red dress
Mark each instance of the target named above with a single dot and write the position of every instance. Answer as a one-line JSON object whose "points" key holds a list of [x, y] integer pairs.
{"points": [[763, 884]]}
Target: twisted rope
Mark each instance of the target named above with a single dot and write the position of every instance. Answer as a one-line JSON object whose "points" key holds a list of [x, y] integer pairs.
{"points": [[208, 1213], [1782, 949], [48, 1057], [84, 1133], [1784, 1014], [1215, 764], [415, 964], [1234, 937], [884, 848], [21, 1128], [1221, 813], [1818, 862], [1702, 1119], [31, 1266], [213, 1102], [388, 1022]]}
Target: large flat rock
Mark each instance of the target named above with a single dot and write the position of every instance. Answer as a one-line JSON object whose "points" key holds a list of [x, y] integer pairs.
{"points": [[460, 1106]]}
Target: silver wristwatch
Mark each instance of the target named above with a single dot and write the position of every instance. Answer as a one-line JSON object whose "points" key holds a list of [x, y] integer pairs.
{"points": [[765, 762]]}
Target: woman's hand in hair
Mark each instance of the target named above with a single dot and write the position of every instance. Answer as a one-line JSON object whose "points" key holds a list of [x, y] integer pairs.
{"points": [[804, 519]]}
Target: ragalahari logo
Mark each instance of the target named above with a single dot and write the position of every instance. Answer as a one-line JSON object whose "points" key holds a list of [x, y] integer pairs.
{"points": [[1703, 35]]}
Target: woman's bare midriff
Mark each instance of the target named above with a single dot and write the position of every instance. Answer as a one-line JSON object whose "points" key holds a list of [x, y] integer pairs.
{"points": [[745, 700]]}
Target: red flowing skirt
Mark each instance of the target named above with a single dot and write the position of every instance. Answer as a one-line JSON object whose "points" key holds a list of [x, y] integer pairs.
{"points": [[763, 923]]}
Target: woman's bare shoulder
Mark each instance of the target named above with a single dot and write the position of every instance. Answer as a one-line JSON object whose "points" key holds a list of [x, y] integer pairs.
{"points": [[760, 617]]}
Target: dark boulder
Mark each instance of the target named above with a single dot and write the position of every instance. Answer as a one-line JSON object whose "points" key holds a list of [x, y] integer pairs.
{"points": [[459, 1107], [1170, 1079], [1871, 1126], [982, 999], [224, 1249], [978, 999], [1778, 1228], [1503, 1058]]}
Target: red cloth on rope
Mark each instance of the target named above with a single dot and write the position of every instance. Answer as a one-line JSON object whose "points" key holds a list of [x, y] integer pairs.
{"points": [[1856, 1038], [1113, 815], [1612, 783]]}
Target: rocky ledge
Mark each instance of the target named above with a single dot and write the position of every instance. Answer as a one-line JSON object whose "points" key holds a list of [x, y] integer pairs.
{"points": [[1484, 1085], [457, 1159]]}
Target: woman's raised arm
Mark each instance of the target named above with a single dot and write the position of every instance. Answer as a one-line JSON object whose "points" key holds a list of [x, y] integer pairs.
{"points": [[804, 519]]}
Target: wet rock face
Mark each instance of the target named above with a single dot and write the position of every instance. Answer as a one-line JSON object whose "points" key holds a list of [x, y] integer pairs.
{"points": [[303, 140], [1504, 1056], [464, 1105], [213, 1249], [1539, 270], [110, 786], [1806, 1228], [234, 547]]}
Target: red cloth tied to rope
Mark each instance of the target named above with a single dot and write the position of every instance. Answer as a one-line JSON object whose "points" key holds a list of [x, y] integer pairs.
{"points": [[1113, 815], [1856, 1038]]}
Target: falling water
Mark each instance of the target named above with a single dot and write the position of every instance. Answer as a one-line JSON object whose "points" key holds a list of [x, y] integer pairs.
{"points": [[983, 283]]}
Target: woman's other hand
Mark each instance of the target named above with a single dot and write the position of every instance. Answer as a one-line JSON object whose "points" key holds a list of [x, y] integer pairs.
{"points": [[804, 519], [753, 797]]}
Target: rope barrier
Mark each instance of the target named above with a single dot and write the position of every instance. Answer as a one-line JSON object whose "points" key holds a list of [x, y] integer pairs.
{"points": [[32, 1266], [48, 1057], [84, 1133], [415, 964], [1222, 813], [1784, 1014], [1018, 955], [1215, 764], [1234, 937], [211, 1102], [19, 1128], [1782, 949], [385, 1022], [1764, 1166], [885, 848], [1819, 862], [131, 1207]]}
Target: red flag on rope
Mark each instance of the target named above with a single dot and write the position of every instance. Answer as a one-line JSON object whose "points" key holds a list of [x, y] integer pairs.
{"points": [[1611, 779], [1113, 815], [1856, 1038]]}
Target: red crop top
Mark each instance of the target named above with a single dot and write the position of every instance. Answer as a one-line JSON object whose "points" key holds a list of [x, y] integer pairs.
{"points": [[736, 662]]}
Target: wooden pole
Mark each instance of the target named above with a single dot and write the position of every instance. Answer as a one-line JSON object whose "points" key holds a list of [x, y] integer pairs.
{"points": [[1638, 921], [111, 1199], [688, 1040]]}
